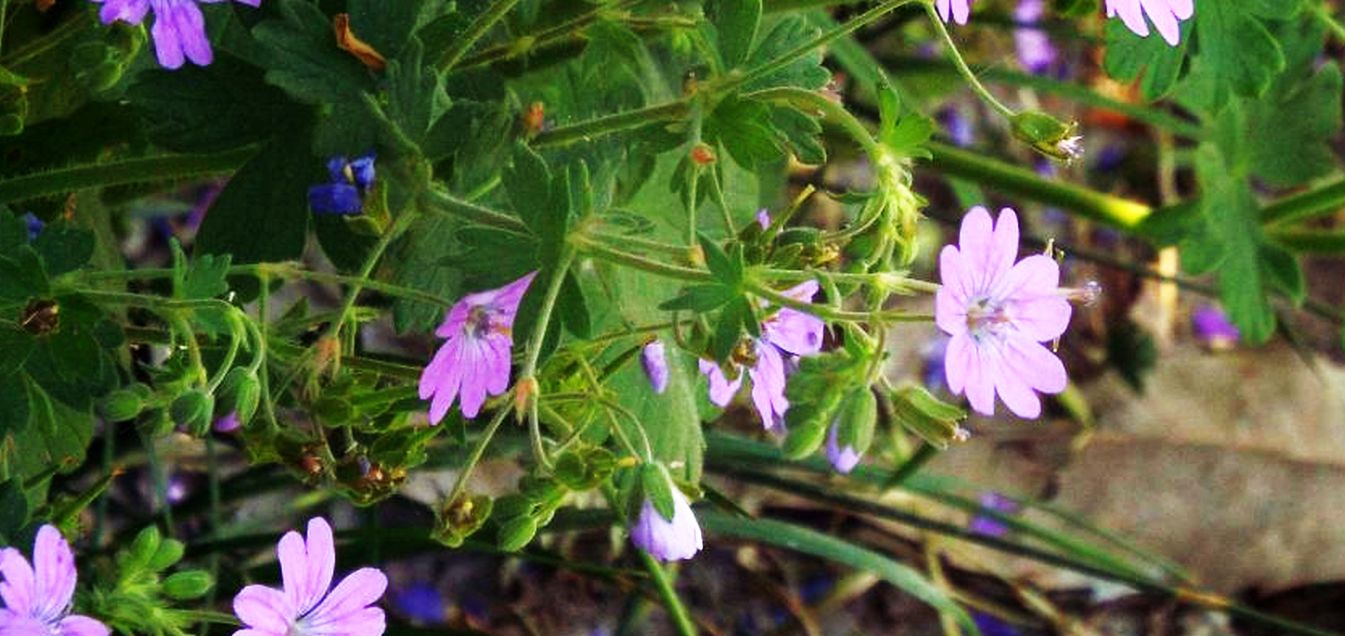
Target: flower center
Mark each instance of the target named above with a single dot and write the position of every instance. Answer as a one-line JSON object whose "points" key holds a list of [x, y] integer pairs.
{"points": [[986, 317], [481, 322]]}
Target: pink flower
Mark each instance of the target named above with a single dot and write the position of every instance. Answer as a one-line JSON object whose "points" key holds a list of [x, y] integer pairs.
{"points": [[787, 334], [38, 597], [1165, 14], [305, 607], [654, 360], [998, 313], [474, 360], [673, 539], [956, 10]]}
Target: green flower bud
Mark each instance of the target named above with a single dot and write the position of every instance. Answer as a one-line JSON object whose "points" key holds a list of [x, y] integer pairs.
{"points": [[516, 533], [1048, 135], [121, 405], [169, 553], [188, 585], [193, 410]]}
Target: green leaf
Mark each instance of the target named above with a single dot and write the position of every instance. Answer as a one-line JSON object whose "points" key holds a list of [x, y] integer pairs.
{"points": [[16, 345], [1236, 48], [801, 133], [812, 542], [1290, 127], [13, 509], [656, 488], [572, 307], [388, 26], [56, 435], [419, 266], [1130, 56], [64, 248], [788, 33], [744, 128], [14, 407], [1233, 211], [735, 23], [701, 298], [21, 275], [416, 96], [528, 183], [210, 108], [262, 215], [304, 59]]}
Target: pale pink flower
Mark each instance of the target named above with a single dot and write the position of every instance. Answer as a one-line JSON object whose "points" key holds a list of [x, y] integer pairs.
{"points": [[673, 539], [474, 360], [1165, 14], [306, 607], [955, 10], [784, 336], [998, 314], [38, 596]]}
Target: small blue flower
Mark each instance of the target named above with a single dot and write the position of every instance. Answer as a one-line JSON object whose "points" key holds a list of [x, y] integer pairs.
{"points": [[35, 226], [351, 180]]}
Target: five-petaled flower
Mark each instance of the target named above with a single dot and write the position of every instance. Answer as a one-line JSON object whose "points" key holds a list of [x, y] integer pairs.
{"points": [[785, 335], [474, 360], [998, 314], [308, 605], [37, 597], [178, 31], [344, 193], [673, 539]]}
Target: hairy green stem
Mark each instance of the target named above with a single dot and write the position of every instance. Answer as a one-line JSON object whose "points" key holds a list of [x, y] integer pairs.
{"points": [[478, 29], [1305, 205], [285, 271], [527, 373], [591, 247], [616, 122], [1114, 211], [122, 172], [961, 64], [436, 200], [681, 618], [478, 451]]}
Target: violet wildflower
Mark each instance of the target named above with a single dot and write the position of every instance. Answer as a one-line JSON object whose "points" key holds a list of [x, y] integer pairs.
{"points": [[1165, 14], [654, 360], [227, 424], [960, 129], [178, 31], [764, 219], [843, 457], [998, 313], [474, 360], [955, 10], [665, 539], [1213, 329], [37, 596], [1035, 51], [308, 605], [786, 334], [350, 181]]}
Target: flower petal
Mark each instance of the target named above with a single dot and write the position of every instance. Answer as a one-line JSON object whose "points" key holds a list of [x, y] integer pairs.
{"points": [[17, 588], [721, 390], [265, 609], [768, 387], [1166, 23], [76, 625], [1035, 364], [1010, 386], [979, 377], [958, 357], [354, 593], [167, 46], [54, 570], [369, 621], [321, 550], [477, 360]]}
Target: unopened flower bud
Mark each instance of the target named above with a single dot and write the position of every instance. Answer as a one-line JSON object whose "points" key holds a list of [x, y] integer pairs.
{"points": [[703, 155], [1048, 135]]}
